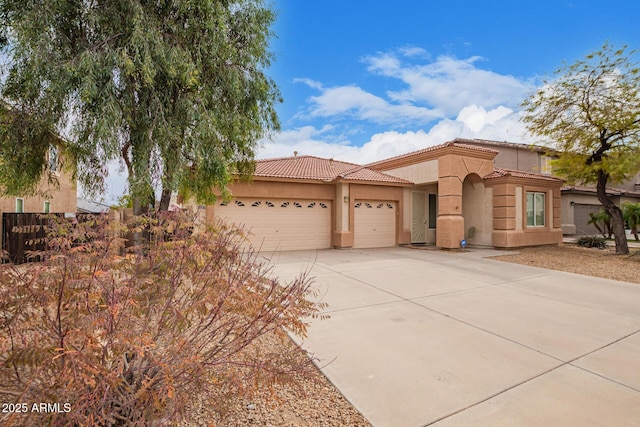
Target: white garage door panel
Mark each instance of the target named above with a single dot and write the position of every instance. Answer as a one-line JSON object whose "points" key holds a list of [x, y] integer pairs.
{"points": [[277, 224], [374, 224]]}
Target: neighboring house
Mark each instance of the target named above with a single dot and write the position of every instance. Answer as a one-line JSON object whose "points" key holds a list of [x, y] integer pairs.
{"points": [[439, 195], [62, 198], [90, 206], [23, 233], [577, 201]]}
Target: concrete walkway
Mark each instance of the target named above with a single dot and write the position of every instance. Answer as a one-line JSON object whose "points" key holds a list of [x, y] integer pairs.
{"points": [[421, 338]]}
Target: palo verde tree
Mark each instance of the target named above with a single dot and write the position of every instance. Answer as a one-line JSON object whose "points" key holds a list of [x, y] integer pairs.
{"points": [[176, 90], [590, 115]]}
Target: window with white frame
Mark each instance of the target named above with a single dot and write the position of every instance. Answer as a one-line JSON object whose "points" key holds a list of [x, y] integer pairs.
{"points": [[47, 206], [535, 209], [53, 158], [546, 167], [19, 205]]}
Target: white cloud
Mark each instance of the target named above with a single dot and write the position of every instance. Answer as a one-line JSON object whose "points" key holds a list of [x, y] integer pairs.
{"points": [[306, 140], [429, 91], [500, 123], [355, 103], [449, 84], [414, 51], [309, 82], [476, 118]]}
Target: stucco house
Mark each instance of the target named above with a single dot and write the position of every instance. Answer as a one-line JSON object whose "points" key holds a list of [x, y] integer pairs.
{"points": [[439, 195], [60, 198], [49, 198], [577, 201]]}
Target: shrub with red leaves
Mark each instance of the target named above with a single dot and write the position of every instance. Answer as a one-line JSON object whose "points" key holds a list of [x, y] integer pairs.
{"points": [[98, 336]]}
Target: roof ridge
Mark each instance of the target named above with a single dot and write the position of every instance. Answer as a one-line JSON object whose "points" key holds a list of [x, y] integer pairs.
{"points": [[453, 143], [322, 169], [354, 169], [400, 156], [518, 173], [501, 143], [305, 156], [620, 191]]}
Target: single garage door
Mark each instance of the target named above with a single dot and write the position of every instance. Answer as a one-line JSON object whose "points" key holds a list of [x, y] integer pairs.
{"points": [[581, 218], [374, 224], [281, 224]]}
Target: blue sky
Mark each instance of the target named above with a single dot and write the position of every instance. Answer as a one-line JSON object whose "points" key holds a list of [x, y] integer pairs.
{"points": [[363, 81], [366, 80]]}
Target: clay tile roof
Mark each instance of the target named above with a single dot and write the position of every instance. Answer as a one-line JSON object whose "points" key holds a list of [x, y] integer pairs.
{"points": [[500, 144], [364, 174], [434, 148], [317, 168], [610, 190], [498, 172]]}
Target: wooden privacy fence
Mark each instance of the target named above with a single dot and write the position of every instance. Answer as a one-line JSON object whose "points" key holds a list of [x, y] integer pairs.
{"points": [[24, 233]]}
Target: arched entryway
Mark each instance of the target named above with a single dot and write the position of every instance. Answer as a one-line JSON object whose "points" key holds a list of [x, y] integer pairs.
{"points": [[454, 165], [476, 211]]}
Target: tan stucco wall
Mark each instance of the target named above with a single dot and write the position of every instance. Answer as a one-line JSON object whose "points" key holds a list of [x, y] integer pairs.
{"points": [[341, 206], [630, 184], [420, 173], [406, 202], [453, 168], [514, 156], [63, 199], [283, 189], [509, 213], [477, 211], [518, 159]]}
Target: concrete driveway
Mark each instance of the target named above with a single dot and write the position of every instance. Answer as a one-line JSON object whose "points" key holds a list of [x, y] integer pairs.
{"points": [[421, 338]]}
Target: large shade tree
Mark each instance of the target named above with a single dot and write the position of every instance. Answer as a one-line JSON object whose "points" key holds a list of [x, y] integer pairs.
{"points": [[176, 90], [590, 114]]}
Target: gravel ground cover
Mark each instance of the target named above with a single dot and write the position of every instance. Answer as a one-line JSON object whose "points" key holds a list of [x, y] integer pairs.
{"points": [[311, 400], [574, 259]]}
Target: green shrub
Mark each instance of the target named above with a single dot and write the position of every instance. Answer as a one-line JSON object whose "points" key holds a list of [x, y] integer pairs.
{"points": [[592, 242], [133, 338]]}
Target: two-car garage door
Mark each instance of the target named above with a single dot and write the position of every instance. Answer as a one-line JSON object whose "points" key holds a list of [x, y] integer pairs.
{"points": [[281, 224], [295, 224]]}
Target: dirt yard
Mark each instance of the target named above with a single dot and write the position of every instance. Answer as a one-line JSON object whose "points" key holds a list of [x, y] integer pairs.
{"points": [[574, 259]]}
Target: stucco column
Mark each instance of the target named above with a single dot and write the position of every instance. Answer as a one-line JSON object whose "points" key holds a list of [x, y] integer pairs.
{"points": [[450, 223], [343, 230]]}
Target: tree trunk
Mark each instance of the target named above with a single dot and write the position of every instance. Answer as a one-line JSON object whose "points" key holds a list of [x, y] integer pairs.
{"points": [[595, 224], [615, 213], [165, 198]]}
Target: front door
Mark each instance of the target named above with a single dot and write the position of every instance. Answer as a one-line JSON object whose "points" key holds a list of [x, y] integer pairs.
{"points": [[419, 218]]}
